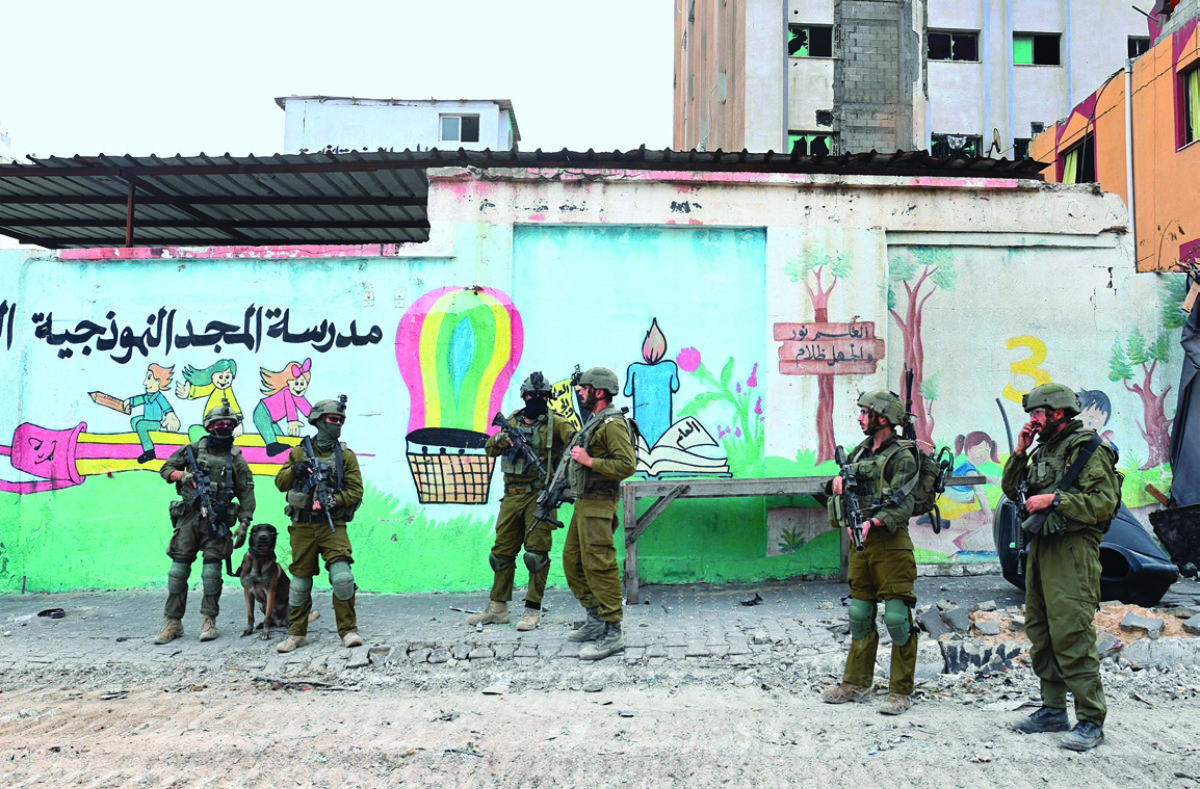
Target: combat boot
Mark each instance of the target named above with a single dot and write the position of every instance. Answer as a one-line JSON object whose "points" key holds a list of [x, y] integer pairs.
{"points": [[593, 627], [1085, 736], [844, 692], [1042, 720], [171, 630], [495, 614], [895, 704], [291, 643], [610, 643], [208, 628], [529, 619]]}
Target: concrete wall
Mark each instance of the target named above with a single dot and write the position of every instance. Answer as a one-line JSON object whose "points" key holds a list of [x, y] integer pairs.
{"points": [[741, 312]]}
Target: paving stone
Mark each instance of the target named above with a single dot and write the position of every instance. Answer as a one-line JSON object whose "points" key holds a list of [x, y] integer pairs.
{"points": [[479, 653], [439, 655], [988, 627], [957, 618], [676, 653], [932, 621], [420, 655]]}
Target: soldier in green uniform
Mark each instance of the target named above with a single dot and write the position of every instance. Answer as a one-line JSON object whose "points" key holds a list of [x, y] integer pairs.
{"points": [[886, 568], [199, 531], [600, 456], [311, 533], [1062, 572], [516, 526]]}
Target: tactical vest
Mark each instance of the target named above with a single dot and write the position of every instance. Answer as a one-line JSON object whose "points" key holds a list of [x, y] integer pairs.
{"points": [[514, 464], [220, 477], [581, 478], [1049, 463], [299, 504]]}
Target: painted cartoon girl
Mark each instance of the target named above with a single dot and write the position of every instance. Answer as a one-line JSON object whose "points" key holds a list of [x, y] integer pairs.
{"points": [[216, 381], [979, 449], [284, 402]]}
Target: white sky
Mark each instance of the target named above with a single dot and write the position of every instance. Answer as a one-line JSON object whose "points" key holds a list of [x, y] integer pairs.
{"points": [[181, 76]]}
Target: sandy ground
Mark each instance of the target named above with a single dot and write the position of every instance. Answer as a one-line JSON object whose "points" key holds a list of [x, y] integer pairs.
{"points": [[679, 726]]}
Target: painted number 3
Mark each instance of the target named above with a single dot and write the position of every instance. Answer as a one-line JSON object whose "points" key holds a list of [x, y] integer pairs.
{"points": [[1030, 365]]}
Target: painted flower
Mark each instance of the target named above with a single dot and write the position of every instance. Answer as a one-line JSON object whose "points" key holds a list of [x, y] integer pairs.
{"points": [[688, 360], [758, 406], [753, 380]]}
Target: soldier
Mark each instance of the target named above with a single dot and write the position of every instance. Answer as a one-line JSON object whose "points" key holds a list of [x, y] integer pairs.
{"points": [[1071, 493], [601, 455], [199, 530], [516, 526], [886, 569], [318, 527]]}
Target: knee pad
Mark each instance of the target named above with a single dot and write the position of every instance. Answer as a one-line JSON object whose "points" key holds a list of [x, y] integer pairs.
{"points": [[499, 563], [300, 592], [862, 619], [210, 578], [177, 577], [536, 561], [342, 580], [897, 616]]}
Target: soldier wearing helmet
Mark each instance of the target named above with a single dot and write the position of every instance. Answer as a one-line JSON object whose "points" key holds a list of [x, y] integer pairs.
{"points": [[516, 525], [1072, 492], [886, 568], [323, 457], [208, 475], [600, 456]]}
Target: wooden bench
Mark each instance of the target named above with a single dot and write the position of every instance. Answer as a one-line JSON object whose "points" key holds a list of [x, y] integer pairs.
{"points": [[667, 491]]}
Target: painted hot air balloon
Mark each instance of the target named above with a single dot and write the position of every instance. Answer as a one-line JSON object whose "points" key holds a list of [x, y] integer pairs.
{"points": [[457, 349]]}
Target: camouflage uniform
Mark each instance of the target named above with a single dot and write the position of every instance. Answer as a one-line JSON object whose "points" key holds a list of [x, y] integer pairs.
{"points": [[1062, 575], [230, 477], [886, 569], [589, 553], [311, 537], [515, 525]]}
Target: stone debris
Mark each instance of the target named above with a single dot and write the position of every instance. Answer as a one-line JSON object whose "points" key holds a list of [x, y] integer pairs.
{"points": [[1152, 626]]}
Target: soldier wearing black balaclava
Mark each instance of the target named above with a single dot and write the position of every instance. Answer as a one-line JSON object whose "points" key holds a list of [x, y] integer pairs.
{"points": [[312, 536]]}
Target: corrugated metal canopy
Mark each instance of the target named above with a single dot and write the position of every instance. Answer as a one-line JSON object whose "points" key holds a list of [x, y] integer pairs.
{"points": [[345, 198]]}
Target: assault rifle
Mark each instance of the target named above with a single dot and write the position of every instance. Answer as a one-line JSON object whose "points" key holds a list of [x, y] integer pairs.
{"points": [[850, 507], [520, 442], [318, 485], [213, 513], [558, 491]]}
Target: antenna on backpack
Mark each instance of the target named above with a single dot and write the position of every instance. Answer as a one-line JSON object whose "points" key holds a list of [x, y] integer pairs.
{"points": [[909, 430]]}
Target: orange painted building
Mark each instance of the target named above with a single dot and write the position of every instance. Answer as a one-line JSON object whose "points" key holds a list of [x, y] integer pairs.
{"points": [[1141, 126]]}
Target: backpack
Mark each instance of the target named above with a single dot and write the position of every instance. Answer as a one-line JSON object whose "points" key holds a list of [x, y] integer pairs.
{"points": [[928, 483]]}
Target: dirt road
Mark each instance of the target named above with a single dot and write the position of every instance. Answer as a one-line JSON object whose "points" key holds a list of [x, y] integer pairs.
{"points": [[706, 727]]}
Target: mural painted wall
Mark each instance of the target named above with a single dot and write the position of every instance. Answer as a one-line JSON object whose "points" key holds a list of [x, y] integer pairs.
{"points": [[742, 314]]}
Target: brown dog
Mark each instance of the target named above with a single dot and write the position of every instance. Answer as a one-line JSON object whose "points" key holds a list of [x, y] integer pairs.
{"points": [[264, 580]]}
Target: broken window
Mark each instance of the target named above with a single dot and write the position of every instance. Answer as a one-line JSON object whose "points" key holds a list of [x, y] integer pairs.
{"points": [[945, 146], [1191, 105], [1138, 45], [1036, 49], [811, 143], [1079, 163], [949, 45], [460, 128], [810, 41]]}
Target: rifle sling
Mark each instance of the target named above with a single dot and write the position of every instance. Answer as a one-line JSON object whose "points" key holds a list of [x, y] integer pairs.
{"points": [[1075, 469]]}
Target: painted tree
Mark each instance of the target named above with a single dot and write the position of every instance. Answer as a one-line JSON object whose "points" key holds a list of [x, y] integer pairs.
{"points": [[922, 271], [809, 267], [1133, 357]]}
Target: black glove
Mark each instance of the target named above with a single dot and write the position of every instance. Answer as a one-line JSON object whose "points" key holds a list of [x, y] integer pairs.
{"points": [[302, 469]]}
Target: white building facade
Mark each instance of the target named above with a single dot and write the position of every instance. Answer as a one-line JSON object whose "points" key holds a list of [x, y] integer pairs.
{"points": [[980, 77], [318, 123]]}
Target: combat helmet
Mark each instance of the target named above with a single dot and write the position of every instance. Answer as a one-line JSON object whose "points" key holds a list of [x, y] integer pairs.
{"points": [[884, 403], [1053, 397], [600, 378], [223, 411], [325, 407], [535, 383]]}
